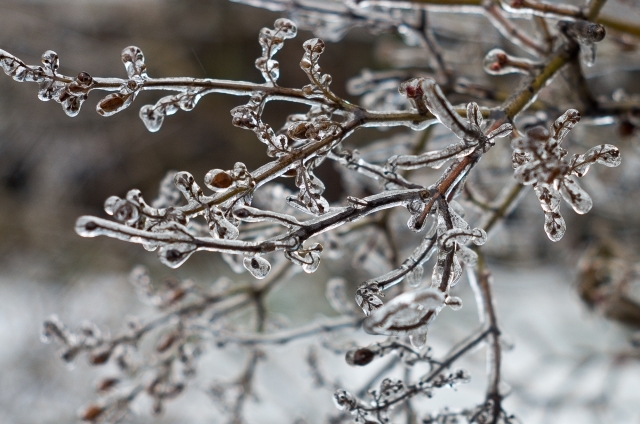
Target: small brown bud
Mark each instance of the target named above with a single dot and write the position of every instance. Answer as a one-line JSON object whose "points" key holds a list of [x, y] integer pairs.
{"points": [[166, 342], [111, 104], [100, 357], [84, 78], [91, 412], [106, 384], [360, 357]]}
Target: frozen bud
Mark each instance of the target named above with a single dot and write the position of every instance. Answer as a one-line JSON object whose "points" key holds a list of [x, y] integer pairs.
{"points": [[54, 329], [257, 266], [100, 356], [50, 60], [166, 341], [548, 196], [91, 412], [84, 79], [574, 195], [114, 103], [126, 212], [565, 123], [554, 225], [498, 62], [360, 357], [174, 255], [344, 400], [407, 314], [367, 298], [314, 46], [414, 92], [244, 117], [604, 154], [218, 180], [133, 61], [106, 384], [286, 27]]}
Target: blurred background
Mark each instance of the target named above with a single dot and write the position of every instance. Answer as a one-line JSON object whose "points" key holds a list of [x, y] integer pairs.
{"points": [[568, 363]]}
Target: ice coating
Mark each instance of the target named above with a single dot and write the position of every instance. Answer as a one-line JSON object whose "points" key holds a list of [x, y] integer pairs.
{"points": [[407, 314], [258, 266]]}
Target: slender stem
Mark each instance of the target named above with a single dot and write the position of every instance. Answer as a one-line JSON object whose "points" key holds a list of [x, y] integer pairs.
{"points": [[506, 205], [285, 336], [482, 287]]}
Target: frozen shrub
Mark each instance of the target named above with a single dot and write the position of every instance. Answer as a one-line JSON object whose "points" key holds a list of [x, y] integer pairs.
{"points": [[272, 239]]}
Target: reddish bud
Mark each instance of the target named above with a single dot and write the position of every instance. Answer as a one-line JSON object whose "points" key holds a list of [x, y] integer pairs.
{"points": [[91, 412]]}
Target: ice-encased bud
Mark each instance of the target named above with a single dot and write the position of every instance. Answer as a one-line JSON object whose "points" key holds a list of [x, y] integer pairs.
{"points": [[360, 356], [418, 340], [367, 298], [286, 27], [407, 314], [414, 277], [548, 196], [498, 62], [114, 103], [174, 255], [344, 400], [218, 180], [604, 154], [110, 204], [245, 117], [554, 225], [574, 195], [133, 60], [564, 124], [258, 266], [50, 60]]}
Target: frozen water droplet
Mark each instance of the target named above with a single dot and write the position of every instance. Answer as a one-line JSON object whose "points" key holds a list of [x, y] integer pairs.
{"points": [[110, 204], [174, 255], [418, 340], [479, 236], [257, 266], [151, 117], [414, 277], [87, 227]]}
